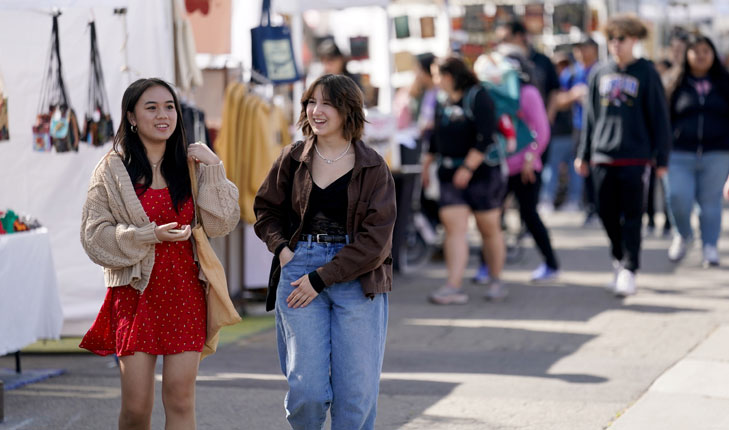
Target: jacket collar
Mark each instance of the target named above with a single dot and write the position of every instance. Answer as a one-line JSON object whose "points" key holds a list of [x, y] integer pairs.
{"points": [[364, 156]]}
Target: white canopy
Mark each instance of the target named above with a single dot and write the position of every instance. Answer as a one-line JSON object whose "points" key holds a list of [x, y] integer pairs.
{"points": [[298, 6]]}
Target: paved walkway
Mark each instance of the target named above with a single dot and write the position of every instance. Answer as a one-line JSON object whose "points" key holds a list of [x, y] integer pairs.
{"points": [[559, 356]]}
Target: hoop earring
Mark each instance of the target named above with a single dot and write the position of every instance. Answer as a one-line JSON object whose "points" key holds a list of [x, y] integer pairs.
{"points": [[134, 128]]}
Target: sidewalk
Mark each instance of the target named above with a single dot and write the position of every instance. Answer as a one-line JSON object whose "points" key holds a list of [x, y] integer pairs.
{"points": [[560, 356]]}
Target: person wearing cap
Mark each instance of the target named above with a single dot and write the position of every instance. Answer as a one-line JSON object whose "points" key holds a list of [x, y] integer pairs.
{"points": [[626, 129], [334, 61], [573, 90]]}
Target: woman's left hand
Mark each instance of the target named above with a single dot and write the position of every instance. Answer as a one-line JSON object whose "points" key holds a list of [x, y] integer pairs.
{"points": [[461, 178], [527, 173], [303, 294], [202, 154]]}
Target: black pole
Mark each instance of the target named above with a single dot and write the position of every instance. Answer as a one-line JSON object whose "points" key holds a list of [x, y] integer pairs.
{"points": [[17, 362]]}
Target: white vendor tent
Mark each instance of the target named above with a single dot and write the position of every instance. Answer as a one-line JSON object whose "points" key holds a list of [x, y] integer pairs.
{"points": [[52, 186]]}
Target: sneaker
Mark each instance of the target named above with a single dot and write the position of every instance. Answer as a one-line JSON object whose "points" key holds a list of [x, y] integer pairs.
{"points": [[625, 284], [711, 256], [482, 275], [496, 291], [678, 248], [544, 273], [545, 207], [570, 207], [447, 295]]}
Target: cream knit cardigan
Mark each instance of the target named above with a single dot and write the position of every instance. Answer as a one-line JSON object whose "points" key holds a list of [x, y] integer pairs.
{"points": [[116, 232]]}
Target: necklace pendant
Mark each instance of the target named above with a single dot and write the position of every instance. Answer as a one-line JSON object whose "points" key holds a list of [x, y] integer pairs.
{"points": [[329, 161]]}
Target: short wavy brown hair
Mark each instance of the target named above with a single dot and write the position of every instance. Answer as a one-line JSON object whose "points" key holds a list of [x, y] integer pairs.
{"points": [[346, 97], [626, 24]]}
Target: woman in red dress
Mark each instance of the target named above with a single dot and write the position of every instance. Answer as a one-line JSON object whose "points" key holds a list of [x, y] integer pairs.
{"points": [[136, 224]]}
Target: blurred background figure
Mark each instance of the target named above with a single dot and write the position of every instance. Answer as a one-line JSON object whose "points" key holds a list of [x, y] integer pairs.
{"points": [[699, 160], [562, 148], [524, 168], [467, 184], [334, 62]]}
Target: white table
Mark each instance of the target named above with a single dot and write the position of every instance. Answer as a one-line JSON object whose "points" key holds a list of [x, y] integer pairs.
{"points": [[30, 305]]}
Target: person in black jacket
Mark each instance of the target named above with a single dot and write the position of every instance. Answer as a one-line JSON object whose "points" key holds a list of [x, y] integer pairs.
{"points": [[699, 162], [625, 130]]}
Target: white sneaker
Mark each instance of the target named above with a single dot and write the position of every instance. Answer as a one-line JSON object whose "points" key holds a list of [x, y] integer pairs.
{"points": [[711, 256], [678, 248], [625, 285], [544, 273]]}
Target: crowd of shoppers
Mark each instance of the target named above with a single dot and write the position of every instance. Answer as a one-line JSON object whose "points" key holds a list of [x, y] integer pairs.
{"points": [[612, 133]]}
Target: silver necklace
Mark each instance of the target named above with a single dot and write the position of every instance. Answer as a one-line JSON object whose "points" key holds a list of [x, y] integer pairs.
{"points": [[330, 161]]}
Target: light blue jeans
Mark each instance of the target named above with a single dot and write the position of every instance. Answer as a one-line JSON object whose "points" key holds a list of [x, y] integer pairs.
{"points": [[561, 150], [699, 178], [331, 351]]}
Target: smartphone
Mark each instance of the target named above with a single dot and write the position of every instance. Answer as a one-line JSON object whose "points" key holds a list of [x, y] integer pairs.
{"points": [[176, 230]]}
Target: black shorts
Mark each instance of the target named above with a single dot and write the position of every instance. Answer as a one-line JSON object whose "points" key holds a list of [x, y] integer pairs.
{"points": [[486, 191]]}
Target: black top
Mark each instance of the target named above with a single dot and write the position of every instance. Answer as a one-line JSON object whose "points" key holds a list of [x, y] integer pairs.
{"points": [[544, 74], [327, 210], [699, 113], [625, 119], [455, 134]]}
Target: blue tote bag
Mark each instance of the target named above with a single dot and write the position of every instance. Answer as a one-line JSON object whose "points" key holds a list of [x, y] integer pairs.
{"points": [[273, 54]]}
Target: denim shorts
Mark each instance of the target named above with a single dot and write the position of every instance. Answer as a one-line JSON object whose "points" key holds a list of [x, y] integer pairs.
{"points": [[485, 191]]}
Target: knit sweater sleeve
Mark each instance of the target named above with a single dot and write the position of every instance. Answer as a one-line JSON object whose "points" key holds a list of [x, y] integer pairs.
{"points": [[217, 200], [109, 242]]}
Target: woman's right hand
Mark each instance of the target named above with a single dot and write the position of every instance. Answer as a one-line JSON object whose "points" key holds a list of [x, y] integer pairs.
{"points": [[164, 234], [582, 168], [285, 256]]}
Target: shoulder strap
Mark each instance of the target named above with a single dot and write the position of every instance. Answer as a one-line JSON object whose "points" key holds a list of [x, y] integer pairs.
{"points": [[469, 101], [192, 167]]}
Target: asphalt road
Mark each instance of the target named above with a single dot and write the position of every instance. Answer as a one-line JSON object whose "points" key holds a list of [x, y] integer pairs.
{"points": [[557, 356]]}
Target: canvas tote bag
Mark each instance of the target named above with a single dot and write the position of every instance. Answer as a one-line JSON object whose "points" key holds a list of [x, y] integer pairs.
{"points": [[221, 311], [272, 51]]}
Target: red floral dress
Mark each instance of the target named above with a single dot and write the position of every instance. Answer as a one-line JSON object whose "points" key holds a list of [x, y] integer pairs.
{"points": [[170, 316]]}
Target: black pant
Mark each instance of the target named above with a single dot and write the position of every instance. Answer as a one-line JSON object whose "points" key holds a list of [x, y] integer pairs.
{"points": [[527, 195], [650, 209], [621, 195]]}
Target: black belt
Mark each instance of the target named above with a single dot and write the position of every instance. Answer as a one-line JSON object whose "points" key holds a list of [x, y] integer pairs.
{"points": [[325, 238]]}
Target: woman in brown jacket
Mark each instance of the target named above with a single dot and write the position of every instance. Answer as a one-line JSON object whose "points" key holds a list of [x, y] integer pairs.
{"points": [[327, 210]]}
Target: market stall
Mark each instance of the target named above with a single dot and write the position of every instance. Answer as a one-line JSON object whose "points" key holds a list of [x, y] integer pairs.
{"points": [[51, 186]]}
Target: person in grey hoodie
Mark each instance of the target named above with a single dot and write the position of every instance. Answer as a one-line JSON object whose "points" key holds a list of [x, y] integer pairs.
{"points": [[626, 129]]}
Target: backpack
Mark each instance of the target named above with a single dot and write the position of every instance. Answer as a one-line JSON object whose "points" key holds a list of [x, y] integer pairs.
{"points": [[503, 86]]}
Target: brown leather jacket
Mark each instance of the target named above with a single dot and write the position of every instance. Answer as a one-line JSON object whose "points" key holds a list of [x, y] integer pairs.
{"points": [[283, 199]]}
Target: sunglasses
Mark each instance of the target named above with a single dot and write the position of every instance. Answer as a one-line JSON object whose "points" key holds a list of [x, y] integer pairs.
{"points": [[618, 38]]}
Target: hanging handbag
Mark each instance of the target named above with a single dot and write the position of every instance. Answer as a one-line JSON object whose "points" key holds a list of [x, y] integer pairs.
{"points": [[272, 51], [221, 311], [4, 122], [56, 125], [98, 127]]}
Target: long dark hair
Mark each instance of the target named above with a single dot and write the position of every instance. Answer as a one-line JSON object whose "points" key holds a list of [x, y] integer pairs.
{"points": [[174, 163], [717, 72], [463, 77]]}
